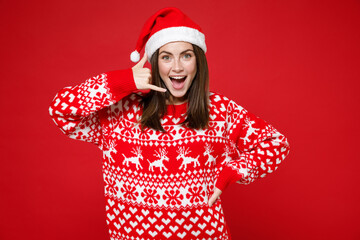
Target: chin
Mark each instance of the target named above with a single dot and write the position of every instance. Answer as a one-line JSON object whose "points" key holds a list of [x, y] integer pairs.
{"points": [[178, 94]]}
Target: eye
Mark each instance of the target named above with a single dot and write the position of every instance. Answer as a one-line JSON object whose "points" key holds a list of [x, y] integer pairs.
{"points": [[165, 57], [187, 55]]}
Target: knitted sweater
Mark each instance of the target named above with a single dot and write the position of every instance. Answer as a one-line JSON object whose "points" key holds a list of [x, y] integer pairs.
{"points": [[157, 185]]}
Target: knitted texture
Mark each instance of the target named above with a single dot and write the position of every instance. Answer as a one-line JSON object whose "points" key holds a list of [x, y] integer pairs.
{"points": [[157, 185]]}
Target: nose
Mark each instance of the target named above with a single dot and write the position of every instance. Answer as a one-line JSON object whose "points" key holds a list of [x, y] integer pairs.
{"points": [[177, 65]]}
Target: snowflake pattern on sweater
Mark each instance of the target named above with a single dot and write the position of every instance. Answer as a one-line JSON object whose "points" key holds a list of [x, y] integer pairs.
{"points": [[157, 185]]}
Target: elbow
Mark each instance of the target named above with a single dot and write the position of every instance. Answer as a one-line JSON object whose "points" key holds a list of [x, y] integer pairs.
{"points": [[281, 146], [51, 112], [285, 147]]}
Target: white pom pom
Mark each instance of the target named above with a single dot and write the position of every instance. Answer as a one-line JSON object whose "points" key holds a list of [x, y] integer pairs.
{"points": [[135, 56]]}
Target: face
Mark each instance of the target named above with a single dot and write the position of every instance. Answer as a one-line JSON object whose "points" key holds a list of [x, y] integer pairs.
{"points": [[177, 68]]}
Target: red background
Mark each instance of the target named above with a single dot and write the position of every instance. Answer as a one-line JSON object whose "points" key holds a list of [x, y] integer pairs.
{"points": [[292, 63]]}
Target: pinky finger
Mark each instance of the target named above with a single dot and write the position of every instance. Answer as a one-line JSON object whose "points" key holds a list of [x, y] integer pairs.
{"points": [[155, 88]]}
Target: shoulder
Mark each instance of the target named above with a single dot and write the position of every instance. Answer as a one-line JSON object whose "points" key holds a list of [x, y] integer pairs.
{"points": [[218, 100], [131, 102], [224, 109], [128, 103], [132, 98], [216, 97]]}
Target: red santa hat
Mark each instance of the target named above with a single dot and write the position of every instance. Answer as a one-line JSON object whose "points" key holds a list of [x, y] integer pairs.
{"points": [[167, 25]]}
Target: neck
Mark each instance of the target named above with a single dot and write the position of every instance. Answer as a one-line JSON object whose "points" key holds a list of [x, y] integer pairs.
{"points": [[177, 100]]}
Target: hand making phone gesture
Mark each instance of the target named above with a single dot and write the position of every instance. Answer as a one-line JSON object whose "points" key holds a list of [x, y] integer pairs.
{"points": [[142, 76]]}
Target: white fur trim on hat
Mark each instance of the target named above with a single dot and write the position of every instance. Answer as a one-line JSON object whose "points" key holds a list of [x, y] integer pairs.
{"points": [[174, 34]]}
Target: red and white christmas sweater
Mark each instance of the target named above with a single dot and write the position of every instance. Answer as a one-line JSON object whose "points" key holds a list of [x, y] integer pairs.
{"points": [[157, 185]]}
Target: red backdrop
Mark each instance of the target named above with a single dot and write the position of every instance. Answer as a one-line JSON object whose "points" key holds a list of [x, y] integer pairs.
{"points": [[293, 63]]}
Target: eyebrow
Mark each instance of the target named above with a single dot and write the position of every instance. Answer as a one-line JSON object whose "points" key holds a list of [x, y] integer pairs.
{"points": [[180, 53]]}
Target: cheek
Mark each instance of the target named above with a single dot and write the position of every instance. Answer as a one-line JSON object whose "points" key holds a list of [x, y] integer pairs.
{"points": [[191, 68], [163, 69]]}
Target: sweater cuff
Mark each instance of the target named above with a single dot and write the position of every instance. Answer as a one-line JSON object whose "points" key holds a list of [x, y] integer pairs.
{"points": [[226, 177], [121, 82]]}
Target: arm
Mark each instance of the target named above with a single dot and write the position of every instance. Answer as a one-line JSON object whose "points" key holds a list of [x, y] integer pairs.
{"points": [[259, 148], [75, 109]]}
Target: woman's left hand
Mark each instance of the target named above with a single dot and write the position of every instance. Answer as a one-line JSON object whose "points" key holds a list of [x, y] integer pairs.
{"points": [[214, 197]]}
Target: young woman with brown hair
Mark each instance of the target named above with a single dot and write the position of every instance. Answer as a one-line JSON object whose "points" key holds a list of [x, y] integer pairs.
{"points": [[170, 152]]}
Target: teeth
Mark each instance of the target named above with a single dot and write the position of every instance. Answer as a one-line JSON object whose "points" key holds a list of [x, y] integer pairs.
{"points": [[177, 78]]}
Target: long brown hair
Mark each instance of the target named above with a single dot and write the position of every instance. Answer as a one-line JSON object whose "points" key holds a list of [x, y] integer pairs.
{"points": [[154, 103]]}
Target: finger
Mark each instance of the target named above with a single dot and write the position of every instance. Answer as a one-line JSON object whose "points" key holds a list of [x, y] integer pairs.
{"points": [[212, 200], [215, 196], [156, 88], [142, 62]]}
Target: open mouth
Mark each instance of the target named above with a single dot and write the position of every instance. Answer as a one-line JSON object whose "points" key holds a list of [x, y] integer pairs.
{"points": [[178, 81]]}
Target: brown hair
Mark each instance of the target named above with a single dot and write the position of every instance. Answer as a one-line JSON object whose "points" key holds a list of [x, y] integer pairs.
{"points": [[154, 103]]}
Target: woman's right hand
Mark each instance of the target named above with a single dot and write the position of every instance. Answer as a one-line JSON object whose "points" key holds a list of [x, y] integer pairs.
{"points": [[142, 76]]}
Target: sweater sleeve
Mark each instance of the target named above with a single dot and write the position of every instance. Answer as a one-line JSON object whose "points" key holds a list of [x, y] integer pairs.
{"points": [[75, 109], [259, 148]]}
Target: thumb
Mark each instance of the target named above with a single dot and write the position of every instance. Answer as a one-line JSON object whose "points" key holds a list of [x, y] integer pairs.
{"points": [[142, 62]]}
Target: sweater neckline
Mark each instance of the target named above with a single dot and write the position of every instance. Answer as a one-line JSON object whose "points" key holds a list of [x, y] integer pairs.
{"points": [[178, 109]]}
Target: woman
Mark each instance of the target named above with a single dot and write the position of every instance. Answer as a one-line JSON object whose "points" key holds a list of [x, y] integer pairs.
{"points": [[170, 147]]}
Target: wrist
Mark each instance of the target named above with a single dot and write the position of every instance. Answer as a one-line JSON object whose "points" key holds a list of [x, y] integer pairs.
{"points": [[226, 177], [121, 81]]}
